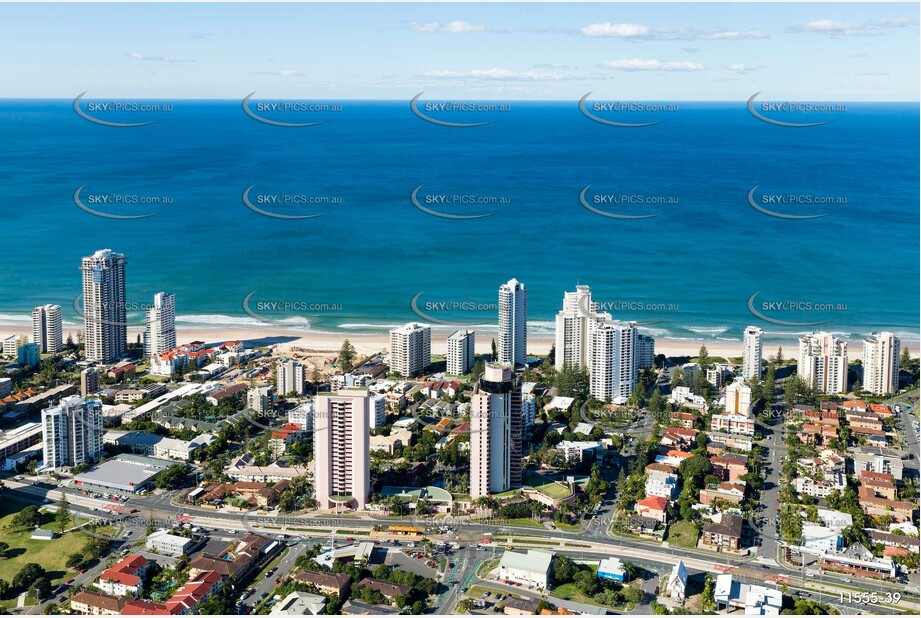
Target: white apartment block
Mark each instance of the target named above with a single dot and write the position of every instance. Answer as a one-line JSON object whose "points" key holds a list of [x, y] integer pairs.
{"points": [[881, 363], [574, 325], [823, 361], [739, 398], [495, 432], [528, 404], [162, 542], [377, 411], [104, 306], [341, 446], [289, 376], [752, 352], [160, 333], [410, 349], [47, 328], [612, 366], [259, 398], [72, 432], [513, 323], [11, 345], [732, 423], [302, 415], [461, 354]]}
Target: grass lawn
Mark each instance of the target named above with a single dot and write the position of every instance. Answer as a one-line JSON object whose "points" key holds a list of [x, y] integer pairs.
{"points": [[545, 486], [682, 534], [50, 555], [523, 521]]}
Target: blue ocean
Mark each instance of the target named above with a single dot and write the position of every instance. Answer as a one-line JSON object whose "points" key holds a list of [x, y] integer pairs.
{"points": [[688, 272]]}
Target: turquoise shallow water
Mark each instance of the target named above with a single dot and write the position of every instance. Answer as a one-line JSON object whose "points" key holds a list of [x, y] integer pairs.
{"points": [[690, 270]]}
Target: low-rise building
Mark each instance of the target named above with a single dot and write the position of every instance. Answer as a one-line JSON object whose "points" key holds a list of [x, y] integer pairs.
{"points": [[612, 568], [166, 544], [725, 532], [97, 603], [529, 569], [125, 577], [732, 423]]}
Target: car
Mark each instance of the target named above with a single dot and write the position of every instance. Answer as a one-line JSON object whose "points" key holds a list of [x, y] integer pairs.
{"points": [[846, 580], [450, 565], [277, 580], [464, 589], [71, 580], [350, 539], [485, 595]]}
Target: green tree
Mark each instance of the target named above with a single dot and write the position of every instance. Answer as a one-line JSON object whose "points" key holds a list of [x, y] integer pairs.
{"points": [[63, 517], [29, 573], [708, 601], [346, 356]]}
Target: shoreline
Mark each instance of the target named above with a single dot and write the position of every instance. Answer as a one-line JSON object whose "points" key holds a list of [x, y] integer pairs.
{"points": [[369, 343]]}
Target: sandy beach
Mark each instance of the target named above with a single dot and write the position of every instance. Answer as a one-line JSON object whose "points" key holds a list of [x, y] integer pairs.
{"points": [[368, 343]]}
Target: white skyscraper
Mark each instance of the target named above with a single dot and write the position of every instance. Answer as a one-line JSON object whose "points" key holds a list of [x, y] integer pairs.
{"points": [[289, 376], [574, 325], [881, 363], [410, 349], [104, 306], [47, 328], [612, 365], [160, 334], [341, 447], [752, 351], [72, 432], [513, 323], [823, 362], [495, 432], [377, 411], [461, 354]]}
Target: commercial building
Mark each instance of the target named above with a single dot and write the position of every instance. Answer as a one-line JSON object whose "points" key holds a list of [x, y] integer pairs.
{"points": [[16, 440], [530, 569], [72, 432], [752, 352], [495, 432], [289, 377], [47, 328], [823, 362], [341, 446], [160, 332], [513, 323], [162, 542], [612, 363], [125, 473], [881, 363], [612, 568], [410, 349], [461, 354], [104, 306], [753, 599], [739, 398]]}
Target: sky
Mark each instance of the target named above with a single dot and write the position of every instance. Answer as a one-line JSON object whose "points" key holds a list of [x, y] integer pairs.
{"points": [[681, 52]]}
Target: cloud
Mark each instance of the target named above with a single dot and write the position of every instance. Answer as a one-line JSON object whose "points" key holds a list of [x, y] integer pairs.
{"points": [[640, 32], [553, 65], [608, 29], [638, 64], [451, 27], [170, 59], [742, 68], [495, 75], [283, 73], [833, 28], [690, 50]]}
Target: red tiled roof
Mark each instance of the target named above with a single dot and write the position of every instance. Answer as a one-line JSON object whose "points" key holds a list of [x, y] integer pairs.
{"points": [[125, 570], [656, 503], [143, 607]]}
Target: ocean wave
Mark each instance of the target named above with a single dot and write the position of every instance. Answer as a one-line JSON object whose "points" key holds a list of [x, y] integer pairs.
{"points": [[700, 330]]}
